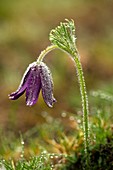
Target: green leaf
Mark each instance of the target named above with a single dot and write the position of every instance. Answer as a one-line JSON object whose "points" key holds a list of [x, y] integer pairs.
{"points": [[64, 37]]}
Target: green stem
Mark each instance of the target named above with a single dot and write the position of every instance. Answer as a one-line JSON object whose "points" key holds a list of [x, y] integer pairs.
{"points": [[84, 105], [83, 91], [45, 52]]}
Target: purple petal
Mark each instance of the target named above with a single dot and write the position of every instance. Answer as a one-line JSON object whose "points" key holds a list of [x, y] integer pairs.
{"points": [[23, 84], [16, 95], [33, 87], [47, 84]]}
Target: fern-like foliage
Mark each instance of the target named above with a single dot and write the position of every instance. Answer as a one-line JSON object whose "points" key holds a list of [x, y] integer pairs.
{"points": [[63, 36]]}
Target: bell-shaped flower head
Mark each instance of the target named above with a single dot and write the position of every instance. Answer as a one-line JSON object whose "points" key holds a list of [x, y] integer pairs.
{"points": [[36, 78]]}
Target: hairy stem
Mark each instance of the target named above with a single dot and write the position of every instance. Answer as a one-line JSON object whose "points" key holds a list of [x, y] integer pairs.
{"points": [[84, 99], [83, 92], [45, 52]]}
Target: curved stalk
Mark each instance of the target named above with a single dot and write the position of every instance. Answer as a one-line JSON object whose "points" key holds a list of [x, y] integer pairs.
{"points": [[84, 97], [63, 37], [83, 92], [45, 52]]}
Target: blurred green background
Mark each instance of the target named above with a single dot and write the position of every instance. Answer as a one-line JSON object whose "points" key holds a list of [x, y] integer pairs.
{"points": [[24, 30]]}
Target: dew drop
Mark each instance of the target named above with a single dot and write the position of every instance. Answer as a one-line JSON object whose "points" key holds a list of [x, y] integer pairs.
{"points": [[63, 114], [22, 142], [79, 121], [71, 118], [51, 156]]}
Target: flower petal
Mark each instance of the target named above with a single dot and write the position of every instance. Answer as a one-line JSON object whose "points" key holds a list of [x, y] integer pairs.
{"points": [[47, 84], [16, 95], [23, 84], [33, 86]]}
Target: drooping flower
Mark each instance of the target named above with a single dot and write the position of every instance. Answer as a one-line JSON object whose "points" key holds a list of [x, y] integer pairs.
{"points": [[36, 78]]}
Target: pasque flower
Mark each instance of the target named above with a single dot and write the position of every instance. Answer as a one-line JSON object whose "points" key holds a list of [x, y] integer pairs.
{"points": [[36, 78]]}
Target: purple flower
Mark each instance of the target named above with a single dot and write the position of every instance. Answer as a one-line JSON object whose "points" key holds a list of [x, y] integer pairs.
{"points": [[37, 77]]}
